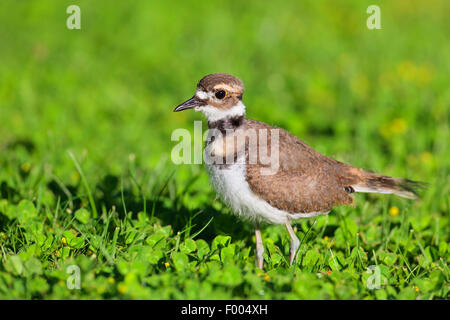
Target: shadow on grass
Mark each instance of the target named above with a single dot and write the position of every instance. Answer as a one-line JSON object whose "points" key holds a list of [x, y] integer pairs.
{"points": [[109, 194]]}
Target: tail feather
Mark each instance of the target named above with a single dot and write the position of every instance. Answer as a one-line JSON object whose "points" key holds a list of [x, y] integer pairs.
{"points": [[405, 188]]}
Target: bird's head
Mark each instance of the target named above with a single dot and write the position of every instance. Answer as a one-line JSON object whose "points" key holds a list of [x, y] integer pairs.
{"points": [[218, 96]]}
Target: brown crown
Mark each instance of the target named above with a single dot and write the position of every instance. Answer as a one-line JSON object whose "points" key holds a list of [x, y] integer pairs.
{"points": [[209, 82]]}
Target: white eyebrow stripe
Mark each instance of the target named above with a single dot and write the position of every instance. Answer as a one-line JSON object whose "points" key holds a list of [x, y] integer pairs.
{"points": [[226, 87], [201, 94]]}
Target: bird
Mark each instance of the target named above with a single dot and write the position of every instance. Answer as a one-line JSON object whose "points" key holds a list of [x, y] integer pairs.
{"points": [[267, 175]]}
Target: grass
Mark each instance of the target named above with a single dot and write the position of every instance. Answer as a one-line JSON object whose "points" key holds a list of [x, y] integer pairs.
{"points": [[85, 173]]}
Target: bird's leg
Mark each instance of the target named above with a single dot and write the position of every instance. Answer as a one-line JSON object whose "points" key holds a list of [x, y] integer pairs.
{"points": [[259, 247], [295, 243]]}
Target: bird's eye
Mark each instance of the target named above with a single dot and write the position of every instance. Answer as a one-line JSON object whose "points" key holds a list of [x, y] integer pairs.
{"points": [[220, 94]]}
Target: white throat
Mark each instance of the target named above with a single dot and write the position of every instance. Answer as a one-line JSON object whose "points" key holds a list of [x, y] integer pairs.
{"points": [[214, 114]]}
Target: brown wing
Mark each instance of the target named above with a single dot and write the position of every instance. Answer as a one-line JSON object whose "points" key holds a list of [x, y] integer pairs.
{"points": [[306, 181]]}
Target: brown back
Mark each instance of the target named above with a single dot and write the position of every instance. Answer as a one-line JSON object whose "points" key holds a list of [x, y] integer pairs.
{"points": [[306, 180]]}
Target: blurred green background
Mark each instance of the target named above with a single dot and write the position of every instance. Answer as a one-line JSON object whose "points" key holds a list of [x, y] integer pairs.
{"points": [[378, 99]]}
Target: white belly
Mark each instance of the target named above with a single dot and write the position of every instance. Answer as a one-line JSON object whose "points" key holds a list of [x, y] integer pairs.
{"points": [[230, 184]]}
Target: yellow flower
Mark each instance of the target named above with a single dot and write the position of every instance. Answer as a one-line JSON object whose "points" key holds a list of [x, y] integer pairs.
{"points": [[167, 264], [397, 126], [122, 288], [111, 280], [326, 238], [57, 253], [416, 288], [426, 157], [394, 211], [418, 74], [25, 167], [266, 277], [64, 240]]}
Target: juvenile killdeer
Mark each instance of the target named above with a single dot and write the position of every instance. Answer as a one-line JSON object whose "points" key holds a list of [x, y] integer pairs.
{"points": [[296, 182]]}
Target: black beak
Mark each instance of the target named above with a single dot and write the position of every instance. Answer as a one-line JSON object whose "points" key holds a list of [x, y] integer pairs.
{"points": [[190, 104]]}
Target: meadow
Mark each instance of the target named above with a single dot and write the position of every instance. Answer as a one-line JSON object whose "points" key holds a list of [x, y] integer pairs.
{"points": [[88, 190]]}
